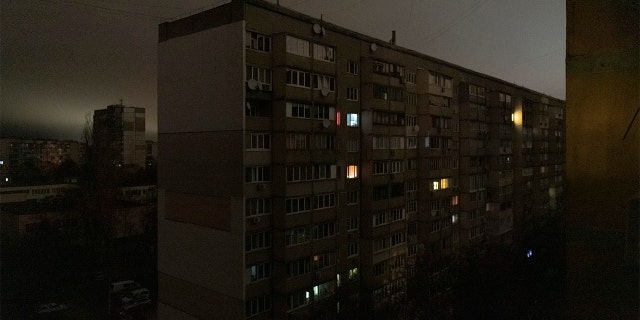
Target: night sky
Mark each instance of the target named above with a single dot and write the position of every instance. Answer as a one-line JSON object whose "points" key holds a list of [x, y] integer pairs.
{"points": [[62, 59]]}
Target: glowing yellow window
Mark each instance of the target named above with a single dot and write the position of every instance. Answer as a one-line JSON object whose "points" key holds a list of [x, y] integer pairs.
{"points": [[352, 172], [444, 183]]}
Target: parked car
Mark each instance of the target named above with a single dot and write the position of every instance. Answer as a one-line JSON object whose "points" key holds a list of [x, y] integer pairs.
{"points": [[141, 294], [123, 285], [135, 303], [50, 308]]}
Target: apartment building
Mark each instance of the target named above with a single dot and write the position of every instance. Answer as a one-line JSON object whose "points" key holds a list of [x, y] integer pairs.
{"points": [[304, 169], [119, 135], [17, 155]]}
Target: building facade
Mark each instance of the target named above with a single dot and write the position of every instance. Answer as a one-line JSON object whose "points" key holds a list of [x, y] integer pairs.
{"points": [[306, 171], [119, 135], [18, 155]]}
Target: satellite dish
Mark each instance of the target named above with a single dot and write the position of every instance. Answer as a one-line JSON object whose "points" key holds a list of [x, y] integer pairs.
{"points": [[324, 32], [248, 105], [252, 83], [374, 47], [324, 91], [326, 123], [317, 29], [416, 127]]}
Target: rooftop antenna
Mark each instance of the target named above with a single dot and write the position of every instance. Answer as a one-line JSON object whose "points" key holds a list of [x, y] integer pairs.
{"points": [[121, 102], [393, 37]]}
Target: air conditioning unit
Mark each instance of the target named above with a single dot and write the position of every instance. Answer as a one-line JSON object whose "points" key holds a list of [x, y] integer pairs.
{"points": [[260, 186], [392, 176], [255, 220], [392, 153], [350, 235]]}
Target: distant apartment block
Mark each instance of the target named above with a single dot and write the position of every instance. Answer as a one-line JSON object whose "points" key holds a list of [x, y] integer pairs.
{"points": [[19, 154], [305, 169], [119, 135]]}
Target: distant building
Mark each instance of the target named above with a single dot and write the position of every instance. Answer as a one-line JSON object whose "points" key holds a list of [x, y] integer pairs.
{"points": [[119, 135], [43, 155], [305, 168]]}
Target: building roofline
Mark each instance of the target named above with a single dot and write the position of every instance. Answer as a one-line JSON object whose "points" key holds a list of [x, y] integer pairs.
{"points": [[336, 28]]}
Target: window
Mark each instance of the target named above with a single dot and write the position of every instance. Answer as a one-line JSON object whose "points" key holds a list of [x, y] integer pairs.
{"points": [[440, 80], [352, 197], [455, 200], [352, 171], [257, 206], [324, 82], [388, 68], [298, 267], [352, 250], [410, 77], [412, 250], [353, 223], [299, 173], [298, 78], [412, 142], [323, 230], [260, 271], [476, 91], [258, 108], [380, 192], [380, 167], [258, 174], [298, 299], [378, 268], [353, 145], [324, 260], [324, 53], [444, 183], [257, 241], [298, 46], [397, 239], [258, 41], [352, 94], [324, 141], [261, 75], [396, 166], [324, 290], [297, 204], [296, 236], [380, 142], [354, 274], [298, 110], [257, 305], [396, 142], [352, 120], [412, 99], [411, 188], [297, 141], [259, 141], [322, 201], [379, 92], [353, 67], [324, 171], [412, 206]]}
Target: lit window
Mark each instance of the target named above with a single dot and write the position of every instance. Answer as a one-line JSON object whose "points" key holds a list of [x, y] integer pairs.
{"points": [[352, 119], [444, 183], [435, 185], [352, 171], [454, 200], [454, 218]]}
